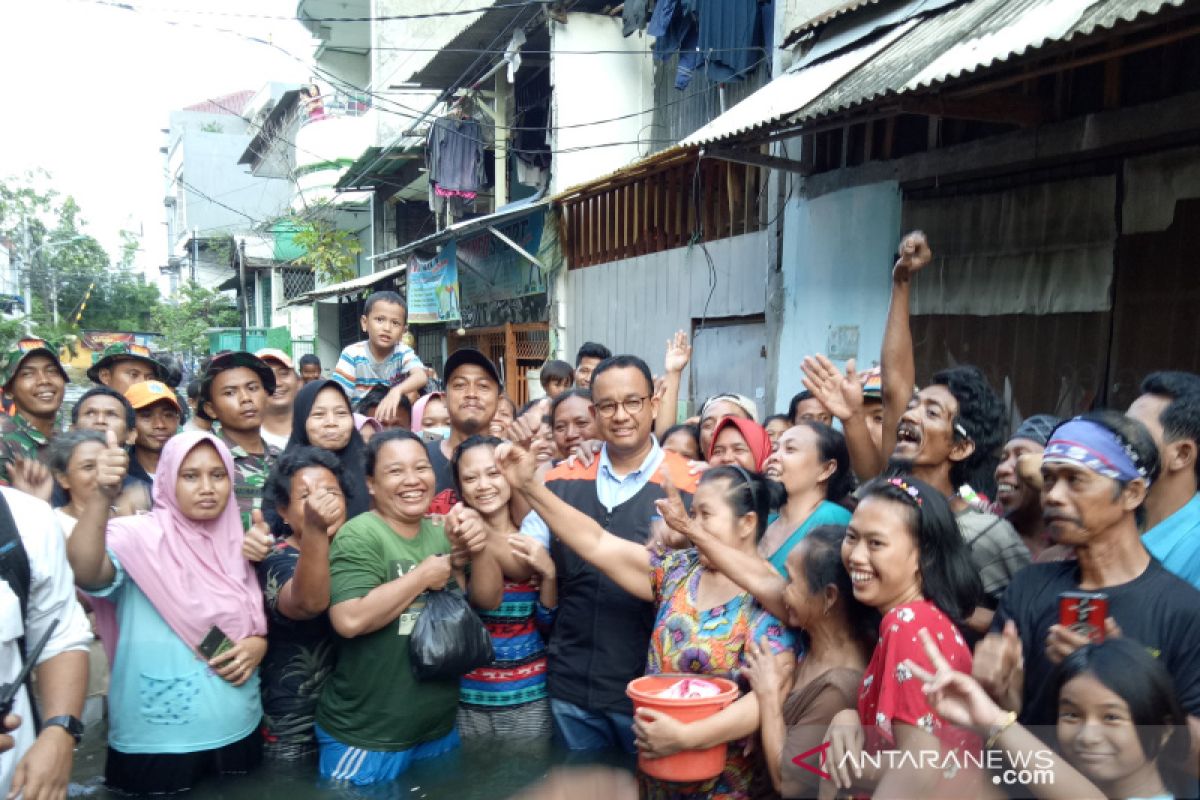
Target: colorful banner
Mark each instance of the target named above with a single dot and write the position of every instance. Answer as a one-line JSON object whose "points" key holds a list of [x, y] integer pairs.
{"points": [[433, 294], [493, 271]]}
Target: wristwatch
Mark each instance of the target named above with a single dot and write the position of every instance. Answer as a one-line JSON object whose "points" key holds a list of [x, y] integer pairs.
{"points": [[72, 725]]}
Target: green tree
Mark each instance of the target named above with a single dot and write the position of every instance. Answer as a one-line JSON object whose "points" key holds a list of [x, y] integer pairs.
{"points": [[185, 321], [330, 253]]}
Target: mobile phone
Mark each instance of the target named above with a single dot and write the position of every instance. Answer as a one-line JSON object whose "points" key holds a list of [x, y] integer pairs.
{"points": [[1084, 613], [215, 642]]}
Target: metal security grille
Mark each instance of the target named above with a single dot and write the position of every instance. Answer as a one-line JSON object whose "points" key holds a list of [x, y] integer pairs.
{"points": [[296, 282]]}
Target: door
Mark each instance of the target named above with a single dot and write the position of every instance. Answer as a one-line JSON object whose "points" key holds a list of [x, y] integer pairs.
{"points": [[729, 355]]}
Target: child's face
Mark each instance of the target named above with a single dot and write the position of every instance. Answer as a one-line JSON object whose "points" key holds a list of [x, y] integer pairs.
{"points": [[1096, 731], [384, 325], [310, 373], [555, 387]]}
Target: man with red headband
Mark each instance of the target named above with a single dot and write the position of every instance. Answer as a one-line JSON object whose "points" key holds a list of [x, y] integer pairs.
{"points": [[1096, 471]]}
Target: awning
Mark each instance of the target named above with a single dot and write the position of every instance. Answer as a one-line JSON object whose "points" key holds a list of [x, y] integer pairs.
{"points": [[345, 287], [468, 226]]}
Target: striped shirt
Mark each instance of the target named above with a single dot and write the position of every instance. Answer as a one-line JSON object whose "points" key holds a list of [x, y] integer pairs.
{"points": [[518, 673], [358, 372]]}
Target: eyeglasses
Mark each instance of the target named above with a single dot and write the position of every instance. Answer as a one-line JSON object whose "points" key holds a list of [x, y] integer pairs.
{"points": [[632, 405]]}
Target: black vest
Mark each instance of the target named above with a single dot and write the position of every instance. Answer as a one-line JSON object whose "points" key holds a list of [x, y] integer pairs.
{"points": [[601, 632]]}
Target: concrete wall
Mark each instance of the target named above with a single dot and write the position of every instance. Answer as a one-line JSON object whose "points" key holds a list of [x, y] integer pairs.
{"points": [[592, 87], [327, 335], [837, 254], [635, 305]]}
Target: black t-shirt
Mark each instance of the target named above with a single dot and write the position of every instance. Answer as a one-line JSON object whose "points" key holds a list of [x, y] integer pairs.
{"points": [[298, 661], [1156, 608], [441, 467]]}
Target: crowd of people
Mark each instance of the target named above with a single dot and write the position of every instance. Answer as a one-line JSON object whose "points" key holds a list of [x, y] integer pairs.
{"points": [[240, 570]]}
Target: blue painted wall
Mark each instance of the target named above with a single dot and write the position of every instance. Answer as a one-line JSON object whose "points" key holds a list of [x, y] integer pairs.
{"points": [[837, 252]]}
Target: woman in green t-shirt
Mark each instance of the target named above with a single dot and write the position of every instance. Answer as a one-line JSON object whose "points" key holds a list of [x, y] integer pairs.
{"points": [[374, 717]]}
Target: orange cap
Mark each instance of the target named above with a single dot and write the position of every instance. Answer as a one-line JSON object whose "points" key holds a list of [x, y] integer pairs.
{"points": [[275, 354], [148, 393]]}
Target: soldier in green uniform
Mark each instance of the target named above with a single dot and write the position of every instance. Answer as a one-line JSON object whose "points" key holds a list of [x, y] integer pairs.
{"points": [[233, 395], [35, 380], [123, 364]]}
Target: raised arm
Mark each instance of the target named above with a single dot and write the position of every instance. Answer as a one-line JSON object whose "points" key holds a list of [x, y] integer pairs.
{"points": [[898, 371], [85, 549], [843, 396], [679, 353], [626, 563], [306, 595], [748, 570]]}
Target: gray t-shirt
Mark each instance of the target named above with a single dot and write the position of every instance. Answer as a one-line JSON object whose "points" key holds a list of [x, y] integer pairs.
{"points": [[996, 551]]}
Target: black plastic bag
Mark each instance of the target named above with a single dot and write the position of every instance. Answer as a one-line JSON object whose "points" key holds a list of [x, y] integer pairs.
{"points": [[449, 640]]}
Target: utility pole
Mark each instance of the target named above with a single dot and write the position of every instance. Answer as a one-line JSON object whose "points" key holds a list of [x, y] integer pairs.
{"points": [[195, 252], [242, 288], [26, 275]]}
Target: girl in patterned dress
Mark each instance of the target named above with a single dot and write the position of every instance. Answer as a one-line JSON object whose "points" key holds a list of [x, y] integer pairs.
{"points": [[907, 560], [704, 622]]}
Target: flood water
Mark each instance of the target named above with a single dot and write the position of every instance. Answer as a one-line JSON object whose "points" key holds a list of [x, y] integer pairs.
{"points": [[479, 770]]}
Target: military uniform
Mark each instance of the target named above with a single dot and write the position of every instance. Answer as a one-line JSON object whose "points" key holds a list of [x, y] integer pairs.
{"points": [[18, 438], [250, 475]]}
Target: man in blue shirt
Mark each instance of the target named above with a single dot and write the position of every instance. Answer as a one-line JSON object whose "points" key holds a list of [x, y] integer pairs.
{"points": [[1169, 407]]}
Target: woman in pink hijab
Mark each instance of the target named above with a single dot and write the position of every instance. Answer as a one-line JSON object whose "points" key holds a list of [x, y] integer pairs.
{"points": [[181, 614]]}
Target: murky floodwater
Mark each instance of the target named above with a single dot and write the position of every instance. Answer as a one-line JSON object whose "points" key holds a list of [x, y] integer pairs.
{"points": [[479, 770]]}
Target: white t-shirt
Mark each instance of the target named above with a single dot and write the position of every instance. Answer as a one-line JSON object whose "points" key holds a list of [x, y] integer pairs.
{"points": [[274, 439], [51, 596]]}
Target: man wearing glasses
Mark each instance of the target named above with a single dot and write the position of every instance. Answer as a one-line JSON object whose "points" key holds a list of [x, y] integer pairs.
{"points": [[601, 632]]}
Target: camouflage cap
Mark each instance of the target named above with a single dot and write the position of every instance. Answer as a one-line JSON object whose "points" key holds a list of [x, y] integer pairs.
{"points": [[123, 351], [232, 360], [23, 348]]}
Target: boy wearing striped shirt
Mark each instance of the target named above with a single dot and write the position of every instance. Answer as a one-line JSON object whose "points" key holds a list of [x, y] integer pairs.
{"points": [[383, 359]]}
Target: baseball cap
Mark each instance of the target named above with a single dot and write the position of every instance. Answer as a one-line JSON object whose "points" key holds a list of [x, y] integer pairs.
{"points": [[121, 351], [275, 354], [227, 361], [22, 349], [872, 383], [469, 355], [147, 393]]}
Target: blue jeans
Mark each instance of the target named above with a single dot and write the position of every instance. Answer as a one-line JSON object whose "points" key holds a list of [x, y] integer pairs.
{"points": [[580, 729]]}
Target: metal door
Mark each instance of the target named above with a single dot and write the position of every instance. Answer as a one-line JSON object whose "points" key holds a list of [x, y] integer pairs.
{"points": [[729, 355]]}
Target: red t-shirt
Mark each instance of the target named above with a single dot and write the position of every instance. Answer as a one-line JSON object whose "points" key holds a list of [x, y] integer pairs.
{"points": [[891, 694]]}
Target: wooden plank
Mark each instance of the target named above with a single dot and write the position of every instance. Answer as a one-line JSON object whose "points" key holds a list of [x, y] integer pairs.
{"points": [[889, 137]]}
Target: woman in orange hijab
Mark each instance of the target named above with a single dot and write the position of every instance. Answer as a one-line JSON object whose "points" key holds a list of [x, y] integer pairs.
{"points": [[741, 442]]}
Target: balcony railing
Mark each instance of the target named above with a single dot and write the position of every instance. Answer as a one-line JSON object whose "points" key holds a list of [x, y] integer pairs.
{"points": [[316, 107]]}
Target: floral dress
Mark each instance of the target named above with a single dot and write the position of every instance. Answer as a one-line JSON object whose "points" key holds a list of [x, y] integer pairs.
{"points": [[891, 694], [708, 641]]}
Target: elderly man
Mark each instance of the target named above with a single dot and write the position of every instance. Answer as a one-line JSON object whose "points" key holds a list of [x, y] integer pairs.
{"points": [[1096, 472]]}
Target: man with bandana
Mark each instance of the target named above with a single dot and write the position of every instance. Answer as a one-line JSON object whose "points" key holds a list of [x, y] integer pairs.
{"points": [[1096, 471]]}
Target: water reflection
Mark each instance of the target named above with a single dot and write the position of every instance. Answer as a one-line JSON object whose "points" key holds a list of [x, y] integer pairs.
{"points": [[480, 770]]}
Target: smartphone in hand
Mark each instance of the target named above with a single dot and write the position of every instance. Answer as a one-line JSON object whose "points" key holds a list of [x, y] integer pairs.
{"points": [[215, 642], [1084, 613]]}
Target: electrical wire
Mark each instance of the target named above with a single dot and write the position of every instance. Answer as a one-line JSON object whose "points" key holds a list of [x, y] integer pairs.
{"points": [[293, 18]]}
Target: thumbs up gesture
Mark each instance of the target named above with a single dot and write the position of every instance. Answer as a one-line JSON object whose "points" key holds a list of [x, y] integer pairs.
{"points": [[257, 543], [111, 466]]}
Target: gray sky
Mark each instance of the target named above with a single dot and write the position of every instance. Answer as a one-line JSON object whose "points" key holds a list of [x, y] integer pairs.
{"points": [[88, 90]]}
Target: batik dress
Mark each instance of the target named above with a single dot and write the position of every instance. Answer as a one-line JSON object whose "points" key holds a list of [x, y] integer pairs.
{"points": [[711, 642]]}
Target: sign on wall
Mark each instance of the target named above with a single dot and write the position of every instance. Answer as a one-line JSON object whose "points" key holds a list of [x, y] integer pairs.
{"points": [[433, 292], [493, 271]]}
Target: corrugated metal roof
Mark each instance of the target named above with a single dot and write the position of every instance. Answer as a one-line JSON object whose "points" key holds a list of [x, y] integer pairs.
{"points": [[790, 92], [821, 19], [974, 36]]}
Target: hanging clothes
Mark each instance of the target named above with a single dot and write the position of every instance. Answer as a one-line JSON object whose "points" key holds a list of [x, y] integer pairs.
{"points": [[455, 159], [729, 38], [633, 17]]}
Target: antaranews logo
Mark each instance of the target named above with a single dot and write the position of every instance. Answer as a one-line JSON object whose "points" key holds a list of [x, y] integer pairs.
{"points": [[1019, 769]]}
